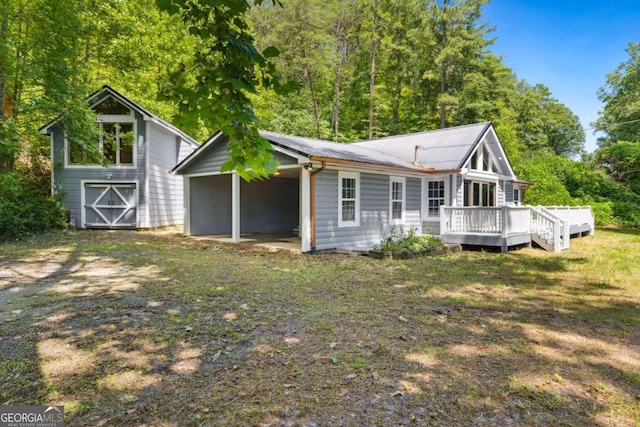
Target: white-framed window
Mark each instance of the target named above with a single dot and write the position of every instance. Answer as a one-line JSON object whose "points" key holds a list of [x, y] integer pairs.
{"points": [[116, 137], [435, 197], [397, 196], [516, 196], [348, 199]]}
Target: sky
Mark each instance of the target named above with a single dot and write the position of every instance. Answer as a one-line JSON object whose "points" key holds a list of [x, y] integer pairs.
{"points": [[567, 45]]}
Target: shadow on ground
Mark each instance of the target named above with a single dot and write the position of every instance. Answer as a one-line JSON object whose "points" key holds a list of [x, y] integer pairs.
{"points": [[128, 328]]}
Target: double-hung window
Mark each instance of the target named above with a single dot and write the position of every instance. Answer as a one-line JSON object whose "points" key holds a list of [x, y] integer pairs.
{"points": [[435, 197], [397, 192], [348, 199]]}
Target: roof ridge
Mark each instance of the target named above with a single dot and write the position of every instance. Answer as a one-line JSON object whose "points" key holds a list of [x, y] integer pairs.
{"points": [[422, 132]]}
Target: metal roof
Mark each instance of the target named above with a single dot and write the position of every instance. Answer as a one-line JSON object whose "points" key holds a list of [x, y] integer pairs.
{"points": [[335, 150], [146, 114], [441, 149]]}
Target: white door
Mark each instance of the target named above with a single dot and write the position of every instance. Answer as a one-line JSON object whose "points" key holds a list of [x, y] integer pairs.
{"points": [[110, 205]]}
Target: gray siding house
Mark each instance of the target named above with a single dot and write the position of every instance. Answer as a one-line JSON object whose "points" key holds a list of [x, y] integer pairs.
{"points": [[135, 190], [350, 196]]}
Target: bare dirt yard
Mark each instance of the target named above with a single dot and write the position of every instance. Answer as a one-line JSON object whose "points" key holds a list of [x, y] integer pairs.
{"points": [[154, 329]]}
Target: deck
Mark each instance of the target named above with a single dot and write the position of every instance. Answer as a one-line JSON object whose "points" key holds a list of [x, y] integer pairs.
{"points": [[549, 227]]}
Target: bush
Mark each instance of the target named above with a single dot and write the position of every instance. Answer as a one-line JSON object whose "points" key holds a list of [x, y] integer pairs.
{"points": [[408, 243], [26, 206], [602, 212], [626, 214]]}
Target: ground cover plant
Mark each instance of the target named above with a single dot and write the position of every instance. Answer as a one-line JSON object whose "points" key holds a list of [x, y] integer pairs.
{"points": [[127, 328]]}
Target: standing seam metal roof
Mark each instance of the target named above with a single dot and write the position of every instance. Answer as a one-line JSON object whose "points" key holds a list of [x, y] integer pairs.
{"points": [[439, 149]]}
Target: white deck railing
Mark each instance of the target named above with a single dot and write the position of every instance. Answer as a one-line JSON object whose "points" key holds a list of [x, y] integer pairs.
{"points": [[485, 220], [552, 224], [576, 215]]}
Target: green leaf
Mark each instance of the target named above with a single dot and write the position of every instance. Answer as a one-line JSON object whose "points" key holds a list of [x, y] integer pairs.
{"points": [[271, 52]]}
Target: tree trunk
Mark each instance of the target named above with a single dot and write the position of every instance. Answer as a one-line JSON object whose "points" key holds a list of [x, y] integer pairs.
{"points": [[396, 104], [336, 105], [340, 53], [314, 100], [372, 78]]}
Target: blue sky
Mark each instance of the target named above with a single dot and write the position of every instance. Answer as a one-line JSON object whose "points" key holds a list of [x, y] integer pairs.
{"points": [[567, 45]]}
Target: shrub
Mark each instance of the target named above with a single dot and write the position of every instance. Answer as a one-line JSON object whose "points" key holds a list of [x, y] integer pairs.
{"points": [[26, 206], [408, 243]]}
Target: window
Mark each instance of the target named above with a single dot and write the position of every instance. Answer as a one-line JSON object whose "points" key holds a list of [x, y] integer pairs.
{"points": [[116, 130], [479, 193], [349, 199], [435, 197], [112, 107], [396, 196], [516, 196]]}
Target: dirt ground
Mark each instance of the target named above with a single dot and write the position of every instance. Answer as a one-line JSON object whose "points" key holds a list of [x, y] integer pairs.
{"points": [[154, 329]]}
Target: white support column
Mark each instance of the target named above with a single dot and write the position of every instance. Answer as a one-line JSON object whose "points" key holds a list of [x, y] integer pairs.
{"points": [[305, 209], [235, 207], [186, 194]]}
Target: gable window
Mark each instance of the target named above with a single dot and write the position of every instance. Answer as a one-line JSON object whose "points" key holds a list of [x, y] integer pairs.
{"points": [[115, 142], [348, 199], [397, 194], [435, 197]]}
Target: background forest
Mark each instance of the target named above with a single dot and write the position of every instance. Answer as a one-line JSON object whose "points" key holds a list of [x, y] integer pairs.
{"points": [[331, 69]]}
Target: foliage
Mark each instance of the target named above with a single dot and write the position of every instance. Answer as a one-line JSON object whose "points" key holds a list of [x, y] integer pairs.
{"points": [[26, 206], [620, 118], [407, 243], [213, 88]]}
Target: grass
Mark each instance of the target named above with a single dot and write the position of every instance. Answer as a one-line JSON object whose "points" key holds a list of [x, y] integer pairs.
{"points": [[126, 328]]}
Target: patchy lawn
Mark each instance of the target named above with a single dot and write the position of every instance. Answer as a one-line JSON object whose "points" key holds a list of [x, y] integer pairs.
{"points": [[126, 328]]}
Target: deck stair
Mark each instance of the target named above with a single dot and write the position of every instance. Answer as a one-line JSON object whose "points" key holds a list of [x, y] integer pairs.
{"points": [[549, 231]]}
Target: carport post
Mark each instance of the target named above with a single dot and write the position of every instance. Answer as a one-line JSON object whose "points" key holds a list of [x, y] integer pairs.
{"points": [[235, 207], [305, 209]]}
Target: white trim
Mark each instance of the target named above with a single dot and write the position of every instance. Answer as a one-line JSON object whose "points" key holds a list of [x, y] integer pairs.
{"points": [[186, 197], [349, 175], [83, 182], [305, 209], [299, 157], [52, 165], [235, 207], [403, 181], [147, 184]]}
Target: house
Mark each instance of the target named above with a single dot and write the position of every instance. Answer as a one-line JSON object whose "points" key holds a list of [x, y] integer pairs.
{"points": [[456, 182], [134, 190]]}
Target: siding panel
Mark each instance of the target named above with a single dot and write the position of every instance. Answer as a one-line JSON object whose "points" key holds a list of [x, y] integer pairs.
{"points": [[374, 212], [166, 205], [212, 160]]}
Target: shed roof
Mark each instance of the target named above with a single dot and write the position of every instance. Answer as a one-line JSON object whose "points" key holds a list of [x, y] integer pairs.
{"points": [[146, 114]]}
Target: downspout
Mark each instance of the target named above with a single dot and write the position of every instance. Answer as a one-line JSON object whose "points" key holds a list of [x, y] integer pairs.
{"points": [[312, 194]]}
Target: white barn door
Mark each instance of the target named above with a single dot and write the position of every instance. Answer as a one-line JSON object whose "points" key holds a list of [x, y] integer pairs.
{"points": [[110, 205]]}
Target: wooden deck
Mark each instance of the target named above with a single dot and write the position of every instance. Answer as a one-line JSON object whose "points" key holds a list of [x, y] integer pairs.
{"points": [[548, 227]]}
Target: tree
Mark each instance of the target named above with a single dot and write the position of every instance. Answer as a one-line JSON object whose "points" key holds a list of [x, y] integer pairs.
{"points": [[214, 86], [544, 124], [454, 39], [620, 118]]}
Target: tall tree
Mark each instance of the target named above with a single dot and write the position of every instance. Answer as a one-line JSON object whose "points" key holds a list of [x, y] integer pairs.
{"points": [[620, 118], [455, 38]]}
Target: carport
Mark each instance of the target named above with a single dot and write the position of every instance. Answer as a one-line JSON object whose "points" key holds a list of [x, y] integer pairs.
{"points": [[268, 207]]}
